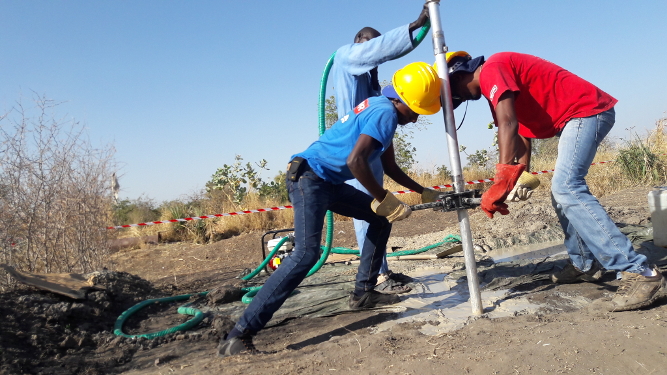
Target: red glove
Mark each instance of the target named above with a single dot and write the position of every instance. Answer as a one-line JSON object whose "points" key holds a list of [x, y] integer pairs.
{"points": [[503, 183]]}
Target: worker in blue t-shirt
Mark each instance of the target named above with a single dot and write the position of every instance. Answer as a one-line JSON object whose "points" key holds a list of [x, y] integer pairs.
{"points": [[355, 78], [316, 183]]}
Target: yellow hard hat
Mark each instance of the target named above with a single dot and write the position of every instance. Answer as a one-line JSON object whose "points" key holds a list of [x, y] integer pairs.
{"points": [[450, 55], [418, 86]]}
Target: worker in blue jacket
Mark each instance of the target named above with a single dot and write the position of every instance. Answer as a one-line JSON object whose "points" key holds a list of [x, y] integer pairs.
{"points": [[355, 78], [316, 183]]}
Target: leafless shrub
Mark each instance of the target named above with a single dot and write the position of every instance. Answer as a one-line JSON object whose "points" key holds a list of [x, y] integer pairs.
{"points": [[54, 192]]}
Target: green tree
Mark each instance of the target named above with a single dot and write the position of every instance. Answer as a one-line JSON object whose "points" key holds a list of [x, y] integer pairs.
{"points": [[403, 149], [480, 158], [236, 180], [137, 210], [276, 189], [330, 111], [444, 172], [491, 126]]}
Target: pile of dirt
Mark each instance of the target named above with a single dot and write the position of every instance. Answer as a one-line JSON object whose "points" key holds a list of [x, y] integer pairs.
{"points": [[43, 332]]}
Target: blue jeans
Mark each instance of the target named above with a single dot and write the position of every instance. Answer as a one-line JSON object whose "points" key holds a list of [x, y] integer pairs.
{"points": [[589, 232], [361, 226], [311, 197]]}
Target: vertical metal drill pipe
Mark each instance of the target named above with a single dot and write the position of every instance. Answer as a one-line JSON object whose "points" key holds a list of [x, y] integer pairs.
{"points": [[439, 49]]}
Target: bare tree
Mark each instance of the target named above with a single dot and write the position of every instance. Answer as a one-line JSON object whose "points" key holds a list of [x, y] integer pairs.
{"points": [[55, 195]]}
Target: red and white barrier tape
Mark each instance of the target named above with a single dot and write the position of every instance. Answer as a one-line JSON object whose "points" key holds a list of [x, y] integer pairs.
{"points": [[487, 180], [237, 213]]}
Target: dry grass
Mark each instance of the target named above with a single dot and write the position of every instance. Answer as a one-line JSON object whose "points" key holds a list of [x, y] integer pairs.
{"points": [[224, 227], [608, 178], [206, 230], [602, 179]]}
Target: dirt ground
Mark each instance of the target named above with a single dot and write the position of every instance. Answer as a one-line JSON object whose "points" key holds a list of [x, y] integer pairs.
{"points": [[571, 332]]}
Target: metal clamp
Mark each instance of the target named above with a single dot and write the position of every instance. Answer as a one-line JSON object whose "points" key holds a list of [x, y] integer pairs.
{"points": [[452, 201]]}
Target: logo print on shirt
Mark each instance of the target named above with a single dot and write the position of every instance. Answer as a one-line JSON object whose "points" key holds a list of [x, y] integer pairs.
{"points": [[342, 121], [363, 105], [493, 91]]}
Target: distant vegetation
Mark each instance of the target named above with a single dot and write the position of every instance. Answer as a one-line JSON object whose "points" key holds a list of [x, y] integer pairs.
{"points": [[55, 190], [640, 161]]}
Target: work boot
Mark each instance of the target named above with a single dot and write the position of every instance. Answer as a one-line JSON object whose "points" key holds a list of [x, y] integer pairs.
{"points": [[637, 291], [400, 277], [571, 274], [388, 286], [237, 345], [372, 299]]}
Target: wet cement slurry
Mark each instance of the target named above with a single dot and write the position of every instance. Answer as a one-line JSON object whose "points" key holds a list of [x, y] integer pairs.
{"points": [[443, 305], [529, 252]]}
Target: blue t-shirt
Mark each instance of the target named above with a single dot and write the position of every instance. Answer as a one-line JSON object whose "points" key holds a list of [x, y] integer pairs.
{"points": [[375, 117]]}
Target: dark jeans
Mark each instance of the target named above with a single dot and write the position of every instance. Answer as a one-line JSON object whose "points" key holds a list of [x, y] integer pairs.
{"points": [[311, 197]]}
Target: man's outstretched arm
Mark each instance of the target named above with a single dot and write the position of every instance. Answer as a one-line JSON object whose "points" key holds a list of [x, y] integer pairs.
{"points": [[385, 203], [357, 161], [395, 172]]}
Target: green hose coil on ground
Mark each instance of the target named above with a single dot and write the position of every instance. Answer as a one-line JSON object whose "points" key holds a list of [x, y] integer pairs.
{"points": [[185, 310], [197, 314], [247, 297]]}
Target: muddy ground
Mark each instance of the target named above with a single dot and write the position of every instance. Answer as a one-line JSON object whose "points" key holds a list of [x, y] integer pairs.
{"points": [[570, 332]]}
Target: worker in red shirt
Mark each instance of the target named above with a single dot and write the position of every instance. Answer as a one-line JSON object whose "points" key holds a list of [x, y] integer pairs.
{"points": [[531, 98]]}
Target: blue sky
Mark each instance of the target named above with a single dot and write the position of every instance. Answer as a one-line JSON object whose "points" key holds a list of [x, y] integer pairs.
{"points": [[179, 88]]}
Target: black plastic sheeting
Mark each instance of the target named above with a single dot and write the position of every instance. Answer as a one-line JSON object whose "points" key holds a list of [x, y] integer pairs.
{"points": [[515, 274], [326, 293]]}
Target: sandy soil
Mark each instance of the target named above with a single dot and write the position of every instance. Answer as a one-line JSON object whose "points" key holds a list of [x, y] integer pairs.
{"points": [[571, 332]]}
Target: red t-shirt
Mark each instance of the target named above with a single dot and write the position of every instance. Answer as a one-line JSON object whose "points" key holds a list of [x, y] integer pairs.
{"points": [[546, 95]]}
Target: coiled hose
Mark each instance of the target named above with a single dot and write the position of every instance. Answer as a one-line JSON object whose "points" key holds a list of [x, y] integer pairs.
{"points": [[247, 297]]}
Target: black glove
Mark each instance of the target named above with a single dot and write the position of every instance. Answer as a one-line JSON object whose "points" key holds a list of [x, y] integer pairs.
{"points": [[421, 20]]}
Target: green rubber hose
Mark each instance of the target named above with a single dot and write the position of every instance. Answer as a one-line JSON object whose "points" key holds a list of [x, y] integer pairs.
{"points": [[266, 260], [322, 128], [449, 239], [185, 310], [418, 39]]}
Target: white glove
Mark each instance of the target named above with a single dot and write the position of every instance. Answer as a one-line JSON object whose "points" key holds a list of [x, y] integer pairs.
{"points": [[391, 208], [524, 187]]}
